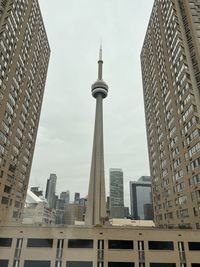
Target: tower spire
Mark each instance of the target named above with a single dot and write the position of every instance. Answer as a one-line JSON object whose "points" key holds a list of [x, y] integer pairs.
{"points": [[100, 64], [100, 52], [96, 203]]}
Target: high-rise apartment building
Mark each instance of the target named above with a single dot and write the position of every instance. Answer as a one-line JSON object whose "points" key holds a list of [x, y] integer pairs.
{"points": [[50, 194], [116, 193], [170, 60], [24, 57], [140, 199]]}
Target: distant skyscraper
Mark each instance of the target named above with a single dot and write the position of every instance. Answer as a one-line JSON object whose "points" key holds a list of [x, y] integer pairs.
{"points": [[170, 60], [140, 199], [76, 197], [24, 61], [116, 193], [65, 196], [83, 201], [50, 190], [61, 204], [96, 203]]}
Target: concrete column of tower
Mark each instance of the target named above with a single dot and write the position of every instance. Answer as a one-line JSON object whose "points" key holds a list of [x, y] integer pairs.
{"points": [[96, 204]]}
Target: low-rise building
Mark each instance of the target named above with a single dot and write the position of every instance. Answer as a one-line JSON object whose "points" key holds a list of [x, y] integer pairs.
{"points": [[133, 223], [36, 211], [105, 246]]}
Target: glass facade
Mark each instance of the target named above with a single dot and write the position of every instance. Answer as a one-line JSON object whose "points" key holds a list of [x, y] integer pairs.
{"points": [[141, 200], [116, 193]]}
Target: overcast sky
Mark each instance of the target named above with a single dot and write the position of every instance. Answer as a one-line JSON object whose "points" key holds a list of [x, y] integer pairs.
{"points": [[75, 29]]}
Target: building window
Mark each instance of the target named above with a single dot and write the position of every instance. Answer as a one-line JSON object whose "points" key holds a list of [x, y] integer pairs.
{"points": [[161, 245], [194, 245], [28, 263], [120, 244], [4, 263], [5, 242], [195, 265], [121, 264], [80, 243], [79, 264], [37, 243], [4, 200]]}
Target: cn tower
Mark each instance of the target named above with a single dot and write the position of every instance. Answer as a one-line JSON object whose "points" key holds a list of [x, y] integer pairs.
{"points": [[96, 203]]}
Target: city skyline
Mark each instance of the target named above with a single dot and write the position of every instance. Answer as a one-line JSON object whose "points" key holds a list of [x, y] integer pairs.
{"points": [[68, 87], [85, 237]]}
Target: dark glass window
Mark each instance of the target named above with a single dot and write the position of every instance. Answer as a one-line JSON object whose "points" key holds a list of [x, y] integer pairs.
{"points": [[194, 245], [5, 242], [161, 245], [120, 244], [38, 243], [79, 264], [162, 264], [7, 189], [4, 200], [80, 243], [121, 264], [37, 263], [195, 264], [4, 263]]}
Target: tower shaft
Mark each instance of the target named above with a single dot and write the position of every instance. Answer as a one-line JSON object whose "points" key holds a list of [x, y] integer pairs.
{"points": [[96, 207], [96, 204]]}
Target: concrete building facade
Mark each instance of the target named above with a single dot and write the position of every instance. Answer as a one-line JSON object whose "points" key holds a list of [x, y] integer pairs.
{"points": [[116, 193], [36, 211], [24, 57], [98, 247], [170, 60]]}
